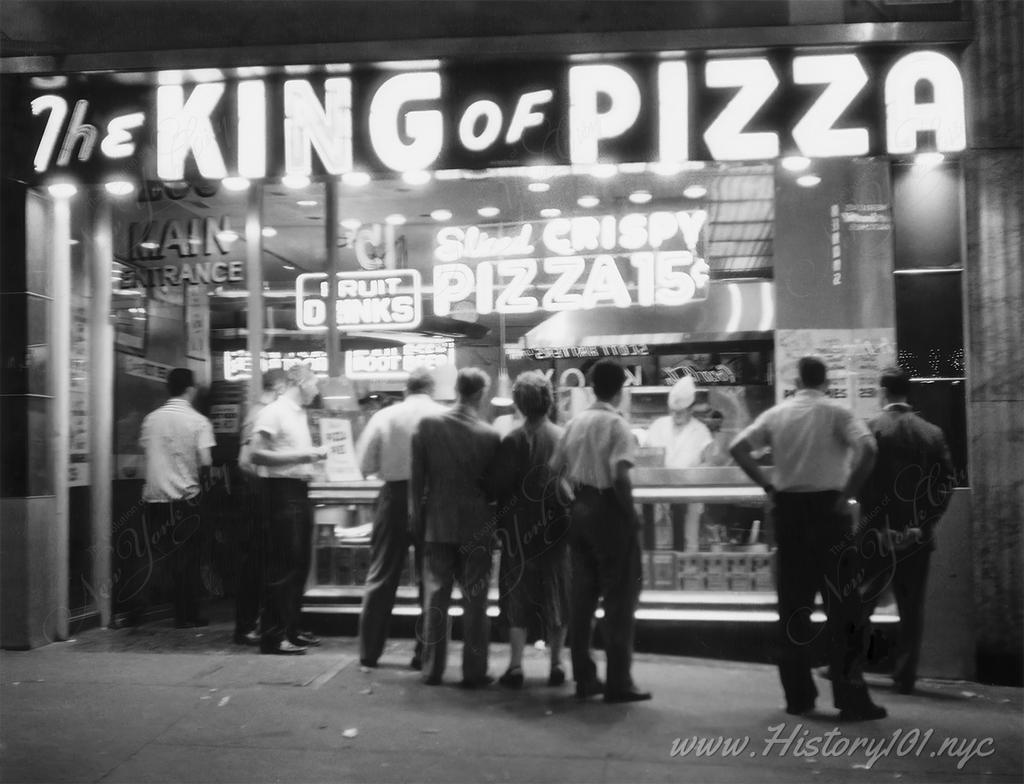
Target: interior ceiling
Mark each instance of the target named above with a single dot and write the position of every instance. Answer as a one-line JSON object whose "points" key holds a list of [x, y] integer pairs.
{"points": [[737, 236]]}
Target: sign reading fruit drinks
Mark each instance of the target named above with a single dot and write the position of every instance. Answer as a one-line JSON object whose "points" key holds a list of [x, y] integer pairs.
{"points": [[193, 126]]}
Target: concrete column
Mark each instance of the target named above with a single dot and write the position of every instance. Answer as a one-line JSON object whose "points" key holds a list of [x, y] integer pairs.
{"points": [[994, 223]]}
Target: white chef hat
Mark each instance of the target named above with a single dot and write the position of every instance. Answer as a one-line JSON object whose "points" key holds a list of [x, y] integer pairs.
{"points": [[682, 395]]}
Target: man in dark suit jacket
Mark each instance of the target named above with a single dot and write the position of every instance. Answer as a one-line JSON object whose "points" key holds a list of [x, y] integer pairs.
{"points": [[901, 503], [451, 513]]}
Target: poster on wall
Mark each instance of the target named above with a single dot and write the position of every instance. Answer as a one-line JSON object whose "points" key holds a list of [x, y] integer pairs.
{"points": [[78, 396], [226, 418], [197, 322], [855, 358], [341, 464]]}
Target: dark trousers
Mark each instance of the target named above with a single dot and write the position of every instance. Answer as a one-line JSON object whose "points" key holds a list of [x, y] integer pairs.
{"points": [[249, 550], [470, 564], [389, 553], [605, 550], [287, 547], [176, 529], [906, 572], [816, 553]]}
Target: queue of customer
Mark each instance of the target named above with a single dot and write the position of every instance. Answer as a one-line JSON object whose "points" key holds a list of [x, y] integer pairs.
{"points": [[559, 505]]}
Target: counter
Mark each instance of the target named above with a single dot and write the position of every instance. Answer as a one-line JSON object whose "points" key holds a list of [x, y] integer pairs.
{"points": [[725, 575]]}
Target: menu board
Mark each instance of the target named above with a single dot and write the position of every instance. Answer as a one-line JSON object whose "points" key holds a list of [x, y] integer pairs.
{"points": [[854, 357]]}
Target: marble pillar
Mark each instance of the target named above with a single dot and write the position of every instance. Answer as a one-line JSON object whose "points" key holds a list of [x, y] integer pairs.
{"points": [[994, 217]]}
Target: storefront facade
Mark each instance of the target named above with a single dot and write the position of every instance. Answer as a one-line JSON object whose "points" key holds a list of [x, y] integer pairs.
{"points": [[508, 213]]}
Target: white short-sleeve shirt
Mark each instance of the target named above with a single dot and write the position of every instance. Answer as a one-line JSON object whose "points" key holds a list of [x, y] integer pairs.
{"points": [[285, 425], [595, 441], [812, 440], [173, 438]]}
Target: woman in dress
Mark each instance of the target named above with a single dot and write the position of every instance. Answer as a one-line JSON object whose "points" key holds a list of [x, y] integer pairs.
{"points": [[533, 522]]}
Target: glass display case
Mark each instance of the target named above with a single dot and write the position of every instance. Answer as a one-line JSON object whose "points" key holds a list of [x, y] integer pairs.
{"points": [[727, 571]]}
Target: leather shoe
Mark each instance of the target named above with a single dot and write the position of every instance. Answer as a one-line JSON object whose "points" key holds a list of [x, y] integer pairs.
{"points": [[867, 712], [633, 695], [195, 623], [432, 680], [248, 638], [308, 639], [416, 663], [591, 688], [512, 679], [285, 648], [367, 663], [476, 683], [556, 677]]}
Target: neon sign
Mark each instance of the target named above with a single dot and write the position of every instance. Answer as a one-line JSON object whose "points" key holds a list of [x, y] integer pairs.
{"points": [[238, 364], [586, 262], [396, 362], [389, 299], [374, 119]]}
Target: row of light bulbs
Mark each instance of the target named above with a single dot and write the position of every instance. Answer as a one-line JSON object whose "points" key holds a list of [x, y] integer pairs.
{"points": [[795, 163]]}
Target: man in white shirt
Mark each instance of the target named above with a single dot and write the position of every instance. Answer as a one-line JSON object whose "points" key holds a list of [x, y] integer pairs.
{"points": [[249, 544], [595, 456], [284, 446], [385, 451], [177, 440], [822, 454]]}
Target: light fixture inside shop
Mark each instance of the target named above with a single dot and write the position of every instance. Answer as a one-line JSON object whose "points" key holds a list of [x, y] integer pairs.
{"points": [[119, 187], [235, 183], [441, 215], [395, 219], [149, 245], [488, 212], [604, 171], [550, 212], [307, 202], [808, 180], [416, 177], [640, 197], [295, 181], [538, 187], [351, 224], [929, 159], [666, 168], [356, 179], [695, 191], [588, 201], [227, 236], [62, 190], [269, 231], [795, 163], [503, 393]]}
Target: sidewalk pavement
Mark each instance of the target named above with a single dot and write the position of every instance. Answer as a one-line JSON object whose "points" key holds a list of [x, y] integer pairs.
{"points": [[156, 704]]}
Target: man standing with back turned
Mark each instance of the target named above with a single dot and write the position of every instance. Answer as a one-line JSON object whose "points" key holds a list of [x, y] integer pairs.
{"points": [[822, 454], [901, 503], [177, 440], [595, 456], [450, 511], [385, 449]]}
